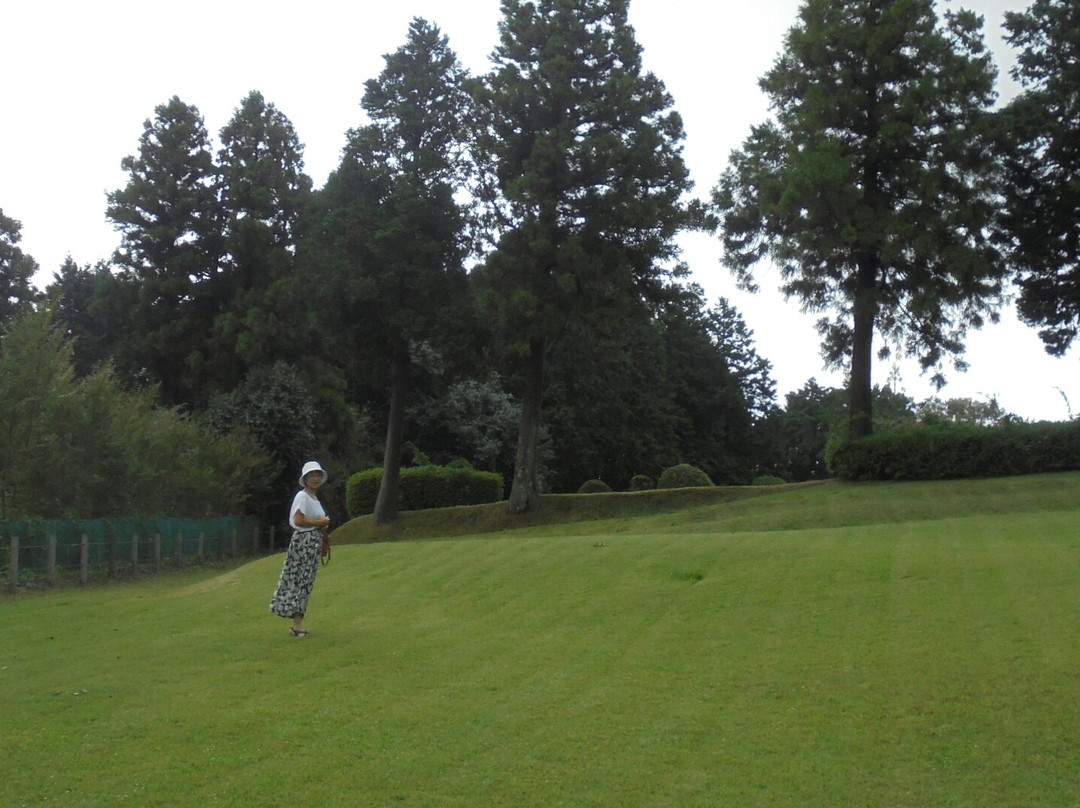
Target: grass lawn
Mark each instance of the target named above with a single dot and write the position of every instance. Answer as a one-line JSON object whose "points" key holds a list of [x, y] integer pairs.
{"points": [[834, 645]]}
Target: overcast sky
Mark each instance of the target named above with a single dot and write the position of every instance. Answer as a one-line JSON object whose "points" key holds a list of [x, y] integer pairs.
{"points": [[80, 78]]}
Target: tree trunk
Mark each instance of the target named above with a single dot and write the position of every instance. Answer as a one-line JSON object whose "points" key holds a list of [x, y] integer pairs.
{"points": [[525, 491], [860, 393], [387, 501]]}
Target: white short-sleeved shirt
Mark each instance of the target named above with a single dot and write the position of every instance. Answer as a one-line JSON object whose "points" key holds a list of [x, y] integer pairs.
{"points": [[307, 505]]}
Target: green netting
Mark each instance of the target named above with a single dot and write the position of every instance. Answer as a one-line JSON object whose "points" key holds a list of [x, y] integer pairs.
{"points": [[110, 541]]}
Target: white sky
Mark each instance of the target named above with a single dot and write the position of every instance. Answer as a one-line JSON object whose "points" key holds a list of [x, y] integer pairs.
{"points": [[80, 78]]}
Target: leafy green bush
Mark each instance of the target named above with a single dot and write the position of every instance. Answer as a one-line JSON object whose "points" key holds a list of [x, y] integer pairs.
{"points": [[425, 487], [946, 451], [594, 487], [768, 479], [87, 448], [683, 476], [642, 482]]}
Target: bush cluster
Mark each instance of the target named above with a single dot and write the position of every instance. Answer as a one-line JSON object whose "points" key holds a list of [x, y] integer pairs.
{"points": [[642, 482], [425, 487], [683, 476], [945, 451]]}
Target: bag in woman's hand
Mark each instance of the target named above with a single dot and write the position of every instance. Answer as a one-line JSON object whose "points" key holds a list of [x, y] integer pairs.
{"points": [[325, 544]]}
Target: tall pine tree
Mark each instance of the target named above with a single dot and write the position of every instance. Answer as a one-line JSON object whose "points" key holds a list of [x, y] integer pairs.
{"points": [[263, 192], [584, 178], [872, 187], [392, 228], [170, 220]]}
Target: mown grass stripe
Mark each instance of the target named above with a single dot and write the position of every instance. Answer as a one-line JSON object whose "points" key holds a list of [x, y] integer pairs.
{"points": [[927, 660]]}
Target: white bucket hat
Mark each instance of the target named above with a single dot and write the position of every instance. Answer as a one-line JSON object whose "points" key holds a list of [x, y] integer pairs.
{"points": [[310, 466]]}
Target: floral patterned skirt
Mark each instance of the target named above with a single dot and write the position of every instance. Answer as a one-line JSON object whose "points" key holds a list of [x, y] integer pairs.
{"points": [[297, 574]]}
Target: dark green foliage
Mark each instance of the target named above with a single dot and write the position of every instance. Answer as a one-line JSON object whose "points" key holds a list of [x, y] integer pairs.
{"points": [[471, 418], [949, 451], [642, 482], [425, 487], [594, 487], [274, 408], [714, 422], [16, 271], [873, 188], [170, 219], [87, 448], [93, 308], [734, 341], [797, 436], [609, 404], [1040, 136], [263, 192], [390, 241], [584, 178], [208, 247], [683, 476]]}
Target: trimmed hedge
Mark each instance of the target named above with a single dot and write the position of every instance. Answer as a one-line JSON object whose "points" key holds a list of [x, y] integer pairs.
{"points": [[947, 451], [425, 487], [683, 476], [642, 482]]}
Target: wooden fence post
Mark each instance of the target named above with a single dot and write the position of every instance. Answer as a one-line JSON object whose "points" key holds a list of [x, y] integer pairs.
{"points": [[157, 552], [134, 552], [201, 547], [50, 569], [13, 583], [220, 546], [234, 547], [255, 541], [84, 559], [271, 538], [179, 549]]}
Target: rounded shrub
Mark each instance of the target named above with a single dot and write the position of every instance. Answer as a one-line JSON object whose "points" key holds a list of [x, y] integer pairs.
{"points": [[684, 476], [642, 482], [769, 479], [594, 487]]}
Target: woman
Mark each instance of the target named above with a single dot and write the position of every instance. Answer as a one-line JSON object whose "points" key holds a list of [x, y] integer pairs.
{"points": [[307, 518]]}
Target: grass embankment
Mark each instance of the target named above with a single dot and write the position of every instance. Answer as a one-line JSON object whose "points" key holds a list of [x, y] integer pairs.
{"points": [[902, 645], [557, 509]]}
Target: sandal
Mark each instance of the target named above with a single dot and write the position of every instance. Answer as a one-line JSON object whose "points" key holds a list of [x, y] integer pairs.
{"points": [[300, 633]]}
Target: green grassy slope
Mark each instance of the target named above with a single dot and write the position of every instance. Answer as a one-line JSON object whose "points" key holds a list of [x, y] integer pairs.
{"points": [[734, 509], [905, 645]]}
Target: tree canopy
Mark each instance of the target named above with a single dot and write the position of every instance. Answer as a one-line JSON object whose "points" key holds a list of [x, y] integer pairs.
{"points": [[584, 180], [1041, 213], [872, 187], [170, 221], [16, 271], [392, 236], [492, 276]]}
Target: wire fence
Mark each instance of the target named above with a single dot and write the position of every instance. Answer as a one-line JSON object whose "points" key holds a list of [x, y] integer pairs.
{"points": [[54, 550]]}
